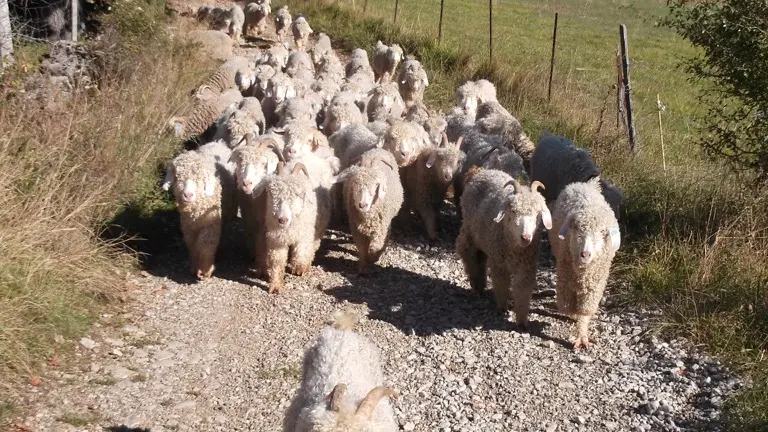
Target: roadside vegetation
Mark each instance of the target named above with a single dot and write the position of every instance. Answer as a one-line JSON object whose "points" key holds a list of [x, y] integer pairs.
{"points": [[695, 243]]}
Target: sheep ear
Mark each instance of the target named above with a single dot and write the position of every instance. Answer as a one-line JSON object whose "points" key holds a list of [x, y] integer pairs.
{"points": [[499, 216], [546, 217], [615, 237], [381, 191], [345, 175], [431, 160], [566, 226], [209, 186], [168, 178]]}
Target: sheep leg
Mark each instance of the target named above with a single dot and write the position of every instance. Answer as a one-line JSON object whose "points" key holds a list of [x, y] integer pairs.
{"points": [[362, 242], [474, 261], [582, 332], [260, 258], [301, 258], [189, 242], [206, 245], [500, 279], [429, 215], [277, 258], [378, 243], [523, 291]]}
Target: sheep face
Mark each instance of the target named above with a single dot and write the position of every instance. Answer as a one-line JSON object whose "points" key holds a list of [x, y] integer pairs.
{"points": [[366, 189], [280, 88], [190, 176], [395, 55], [262, 75], [300, 140], [286, 196], [446, 161], [244, 80], [254, 163], [589, 236], [522, 212]]}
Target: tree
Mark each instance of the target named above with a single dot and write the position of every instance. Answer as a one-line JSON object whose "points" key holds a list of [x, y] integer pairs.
{"points": [[732, 36], [6, 43]]}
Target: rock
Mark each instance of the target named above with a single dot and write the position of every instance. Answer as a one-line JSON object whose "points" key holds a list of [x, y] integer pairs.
{"points": [[186, 405], [88, 343], [114, 342], [580, 420], [409, 426], [566, 385], [119, 372]]}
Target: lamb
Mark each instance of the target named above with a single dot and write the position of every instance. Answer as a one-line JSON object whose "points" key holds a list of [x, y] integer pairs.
{"points": [[494, 119], [373, 196], [385, 103], [203, 114], [405, 140], [320, 48], [558, 162], [254, 161], [256, 16], [385, 61], [473, 93], [224, 78], [296, 222], [247, 118], [499, 232], [412, 82], [301, 31], [279, 88], [283, 22], [584, 248], [341, 112], [426, 181], [342, 385], [204, 192]]}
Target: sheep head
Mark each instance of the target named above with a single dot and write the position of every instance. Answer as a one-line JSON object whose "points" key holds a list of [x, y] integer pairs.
{"points": [[446, 160], [287, 195], [340, 417], [404, 141], [522, 211], [363, 186], [254, 161], [191, 177]]}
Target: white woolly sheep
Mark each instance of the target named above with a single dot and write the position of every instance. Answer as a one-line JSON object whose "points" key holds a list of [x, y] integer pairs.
{"points": [[494, 119], [301, 30], [254, 161], [279, 88], [321, 47], [299, 60], [342, 386], [296, 222], [473, 93], [301, 138], [328, 67], [459, 123], [385, 103], [351, 142], [283, 23], [558, 162], [426, 181], [247, 118], [405, 140], [261, 76], [499, 232], [373, 195], [225, 77], [358, 63], [204, 191], [412, 82], [385, 61], [584, 247], [236, 19], [295, 110], [256, 17], [277, 56], [203, 114], [341, 112]]}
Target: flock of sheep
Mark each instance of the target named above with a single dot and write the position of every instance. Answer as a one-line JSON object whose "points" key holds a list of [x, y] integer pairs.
{"points": [[301, 138]]}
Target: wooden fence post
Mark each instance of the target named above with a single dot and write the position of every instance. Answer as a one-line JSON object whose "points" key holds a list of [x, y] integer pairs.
{"points": [[440, 28], [552, 61], [74, 20], [619, 85], [490, 29], [397, 5], [365, 6], [627, 90]]}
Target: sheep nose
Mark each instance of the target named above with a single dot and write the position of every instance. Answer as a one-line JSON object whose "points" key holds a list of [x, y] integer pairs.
{"points": [[586, 254], [526, 237], [404, 154], [189, 196], [362, 206], [247, 184], [447, 177], [282, 220]]}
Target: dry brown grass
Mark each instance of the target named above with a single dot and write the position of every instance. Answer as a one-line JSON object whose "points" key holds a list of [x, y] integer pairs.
{"points": [[70, 169]]}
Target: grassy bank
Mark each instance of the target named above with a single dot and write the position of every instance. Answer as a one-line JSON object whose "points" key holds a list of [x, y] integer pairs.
{"points": [[69, 169], [695, 235]]}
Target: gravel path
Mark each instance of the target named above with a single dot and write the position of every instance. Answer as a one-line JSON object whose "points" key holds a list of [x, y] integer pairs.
{"points": [[223, 355]]}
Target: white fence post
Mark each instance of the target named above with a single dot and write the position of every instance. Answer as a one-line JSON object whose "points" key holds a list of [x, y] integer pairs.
{"points": [[6, 41], [74, 20]]}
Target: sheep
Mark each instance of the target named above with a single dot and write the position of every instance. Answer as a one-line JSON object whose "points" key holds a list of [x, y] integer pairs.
{"points": [[557, 162], [473, 93], [301, 31], [204, 192], [298, 60], [246, 118], [385, 61], [203, 114], [351, 142], [217, 18], [341, 112], [279, 88], [458, 122], [426, 181], [494, 119], [277, 56], [385, 103], [295, 223], [412, 82], [256, 16], [321, 47], [342, 385], [236, 18], [488, 151], [261, 76], [301, 138], [373, 195], [358, 63], [405, 140], [224, 78], [328, 67], [499, 232], [583, 248], [295, 110], [283, 22], [254, 161]]}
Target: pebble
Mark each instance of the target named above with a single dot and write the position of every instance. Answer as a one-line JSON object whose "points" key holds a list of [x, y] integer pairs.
{"points": [[88, 343], [119, 372]]}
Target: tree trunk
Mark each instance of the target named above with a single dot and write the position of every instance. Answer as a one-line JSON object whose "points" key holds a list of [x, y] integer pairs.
{"points": [[6, 43]]}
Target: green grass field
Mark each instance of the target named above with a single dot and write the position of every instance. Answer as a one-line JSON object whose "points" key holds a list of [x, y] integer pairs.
{"points": [[695, 237]]}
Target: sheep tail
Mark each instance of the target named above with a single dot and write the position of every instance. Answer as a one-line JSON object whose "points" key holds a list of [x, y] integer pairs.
{"points": [[344, 320]]}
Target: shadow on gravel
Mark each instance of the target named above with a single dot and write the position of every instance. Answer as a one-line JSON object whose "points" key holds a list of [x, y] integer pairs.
{"points": [[420, 305], [122, 428]]}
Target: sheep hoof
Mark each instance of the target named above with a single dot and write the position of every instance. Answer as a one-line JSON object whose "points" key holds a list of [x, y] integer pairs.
{"points": [[582, 342], [275, 288], [299, 269]]}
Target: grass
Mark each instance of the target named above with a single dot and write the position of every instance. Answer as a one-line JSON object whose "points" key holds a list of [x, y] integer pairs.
{"points": [[695, 243], [77, 419], [71, 168]]}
